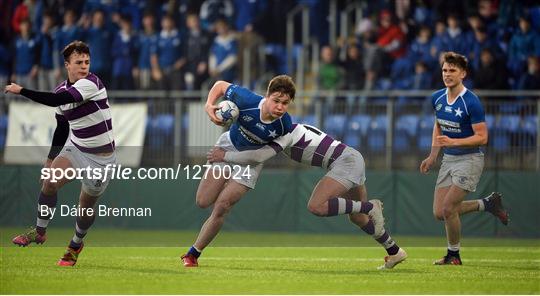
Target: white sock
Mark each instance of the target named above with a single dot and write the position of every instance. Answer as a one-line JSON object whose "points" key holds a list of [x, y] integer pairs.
{"points": [[454, 248], [76, 239], [42, 222], [481, 205]]}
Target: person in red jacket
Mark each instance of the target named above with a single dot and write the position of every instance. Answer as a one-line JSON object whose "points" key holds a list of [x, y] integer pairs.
{"points": [[390, 37]]}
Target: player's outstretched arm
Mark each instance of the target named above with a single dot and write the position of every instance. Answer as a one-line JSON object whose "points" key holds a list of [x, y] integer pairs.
{"points": [[61, 133], [45, 98], [244, 157], [217, 91]]}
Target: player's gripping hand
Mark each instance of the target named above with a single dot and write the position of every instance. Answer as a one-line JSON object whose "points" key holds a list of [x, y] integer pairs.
{"points": [[215, 154], [211, 111], [426, 165], [13, 88], [444, 141]]}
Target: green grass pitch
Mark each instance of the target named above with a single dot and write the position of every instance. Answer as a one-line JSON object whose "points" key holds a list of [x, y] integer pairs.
{"points": [[148, 262]]}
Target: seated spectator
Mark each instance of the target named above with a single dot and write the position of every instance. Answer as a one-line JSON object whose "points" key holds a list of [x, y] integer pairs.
{"points": [[330, 76], [531, 79], [490, 74], [422, 78], [481, 41], [390, 37], [354, 75]]}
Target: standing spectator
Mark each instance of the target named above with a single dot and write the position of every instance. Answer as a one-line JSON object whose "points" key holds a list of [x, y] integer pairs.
{"points": [[5, 67], [223, 53], [373, 59], [246, 12], [482, 41], [197, 45], [420, 48], [46, 78], [438, 42], [522, 45], [108, 7], [488, 12], [454, 37], [68, 33], [99, 37], [213, 10], [123, 56], [26, 53], [133, 8], [167, 60], [146, 44], [28, 9]]}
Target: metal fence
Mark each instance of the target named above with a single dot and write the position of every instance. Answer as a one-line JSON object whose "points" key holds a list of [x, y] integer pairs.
{"points": [[392, 129]]}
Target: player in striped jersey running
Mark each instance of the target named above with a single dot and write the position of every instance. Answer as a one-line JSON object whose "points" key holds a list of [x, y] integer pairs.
{"points": [[82, 106], [340, 191]]}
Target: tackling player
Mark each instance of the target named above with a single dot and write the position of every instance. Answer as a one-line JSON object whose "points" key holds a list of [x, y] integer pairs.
{"points": [[461, 129], [341, 191], [82, 105]]}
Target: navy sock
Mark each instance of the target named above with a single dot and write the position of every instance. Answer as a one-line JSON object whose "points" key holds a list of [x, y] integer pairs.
{"points": [[388, 243], [369, 228], [74, 245], [194, 252], [44, 202], [453, 253], [366, 207]]}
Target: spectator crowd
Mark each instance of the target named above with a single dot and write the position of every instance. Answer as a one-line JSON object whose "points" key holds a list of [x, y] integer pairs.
{"points": [[179, 45]]}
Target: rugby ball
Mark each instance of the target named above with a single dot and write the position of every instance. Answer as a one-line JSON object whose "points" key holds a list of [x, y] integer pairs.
{"points": [[228, 111]]}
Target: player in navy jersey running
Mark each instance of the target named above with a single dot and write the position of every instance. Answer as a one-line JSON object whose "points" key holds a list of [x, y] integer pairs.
{"points": [[460, 129], [341, 191], [82, 105], [261, 119]]}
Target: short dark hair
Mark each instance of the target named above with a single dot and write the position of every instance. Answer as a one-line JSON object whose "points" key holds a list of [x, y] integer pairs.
{"points": [[455, 59], [75, 47], [283, 84]]}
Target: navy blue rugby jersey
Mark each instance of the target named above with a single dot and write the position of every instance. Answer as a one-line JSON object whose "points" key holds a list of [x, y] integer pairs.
{"points": [[249, 131], [456, 119]]}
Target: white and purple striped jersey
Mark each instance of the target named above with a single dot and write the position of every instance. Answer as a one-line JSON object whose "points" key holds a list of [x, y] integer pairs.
{"points": [[305, 144], [89, 117]]}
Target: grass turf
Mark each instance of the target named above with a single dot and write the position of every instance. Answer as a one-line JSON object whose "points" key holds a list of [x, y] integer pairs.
{"points": [[147, 262]]}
